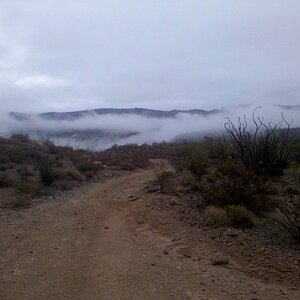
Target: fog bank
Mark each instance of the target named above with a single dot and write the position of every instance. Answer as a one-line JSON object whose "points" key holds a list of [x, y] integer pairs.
{"points": [[98, 132]]}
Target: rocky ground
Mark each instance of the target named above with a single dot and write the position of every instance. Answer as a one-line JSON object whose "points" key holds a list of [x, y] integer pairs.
{"points": [[116, 240]]}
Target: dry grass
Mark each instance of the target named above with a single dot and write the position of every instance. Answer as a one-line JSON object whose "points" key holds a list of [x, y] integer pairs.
{"points": [[239, 216], [216, 216], [232, 215]]}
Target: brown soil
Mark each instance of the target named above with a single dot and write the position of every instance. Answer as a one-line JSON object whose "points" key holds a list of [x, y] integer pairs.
{"points": [[115, 240]]}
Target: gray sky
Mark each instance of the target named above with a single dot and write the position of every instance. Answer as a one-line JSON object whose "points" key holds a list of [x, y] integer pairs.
{"points": [[60, 55]]}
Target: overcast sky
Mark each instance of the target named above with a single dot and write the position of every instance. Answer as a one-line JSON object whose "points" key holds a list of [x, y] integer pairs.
{"points": [[61, 55]]}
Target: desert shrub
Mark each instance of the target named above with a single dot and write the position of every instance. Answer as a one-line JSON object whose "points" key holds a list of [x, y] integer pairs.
{"points": [[4, 158], [296, 153], [63, 185], [295, 144], [7, 179], [289, 217], [87, 167], [32, 188], [20, 155], [26, 171], [126, 164], [9, 166], [229, 184], [239, 216], [264, 150], [75, 156], [236, 216], [163, 179], [197, 166], [46, 171], [216, 216], [23, 138], [191, 156], [50, 146], [68, 174], [74, 175], [232, 184], [218, 148]]}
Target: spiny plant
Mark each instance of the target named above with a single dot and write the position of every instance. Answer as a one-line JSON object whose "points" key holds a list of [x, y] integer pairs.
{"points": [[263, 148], [46, 171]]}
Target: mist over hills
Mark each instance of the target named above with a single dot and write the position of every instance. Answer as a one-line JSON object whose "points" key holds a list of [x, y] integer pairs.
{"points": [[98, 129], [151, 113], [89, 128]]}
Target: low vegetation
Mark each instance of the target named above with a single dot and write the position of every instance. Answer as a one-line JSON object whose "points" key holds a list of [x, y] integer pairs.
{"points": [[30, 168], [289, 217], [263, 148], [249, 176], [232, 215], [46, 171]]}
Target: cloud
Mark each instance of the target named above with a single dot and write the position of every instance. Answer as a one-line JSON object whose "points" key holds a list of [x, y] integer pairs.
{"points": [[145, 129], [41, 81], [70, 55]]}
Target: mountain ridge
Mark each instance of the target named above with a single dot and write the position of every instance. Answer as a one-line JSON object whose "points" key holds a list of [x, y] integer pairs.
{"points": [[145, 112]]}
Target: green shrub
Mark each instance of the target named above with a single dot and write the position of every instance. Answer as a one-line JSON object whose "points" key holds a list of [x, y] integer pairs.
{"points": [[46, 171], [126, 164], [4, 158], [232, 184], [20, 154], [26, 171], [163, 179], [289, 217], [239, 216], [87, 167], [197, 167], [295, 146], [7, 179], [68, 174], [32, 188], [236, 216], [216, 216], [218, 148]]}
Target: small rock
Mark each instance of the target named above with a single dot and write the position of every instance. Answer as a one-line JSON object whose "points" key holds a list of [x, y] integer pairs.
{"points": [[176, 240], [231, 234], [132, 199], [220, 261], [196, 259], [166, 252]]}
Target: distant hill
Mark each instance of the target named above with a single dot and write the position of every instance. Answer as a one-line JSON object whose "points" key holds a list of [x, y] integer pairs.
{"points": [[92, 130], [290, 107], [94, 135], [150, 113]]}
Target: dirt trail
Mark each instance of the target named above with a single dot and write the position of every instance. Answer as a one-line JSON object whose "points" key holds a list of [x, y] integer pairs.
{"points": [[110, 243]]}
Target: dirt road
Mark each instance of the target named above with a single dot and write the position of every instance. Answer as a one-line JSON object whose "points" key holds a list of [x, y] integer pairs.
{"points": [[110, 242]]}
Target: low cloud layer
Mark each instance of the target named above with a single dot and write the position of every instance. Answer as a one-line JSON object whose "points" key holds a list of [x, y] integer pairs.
{"points": [[116, 129], [68, 55]]}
